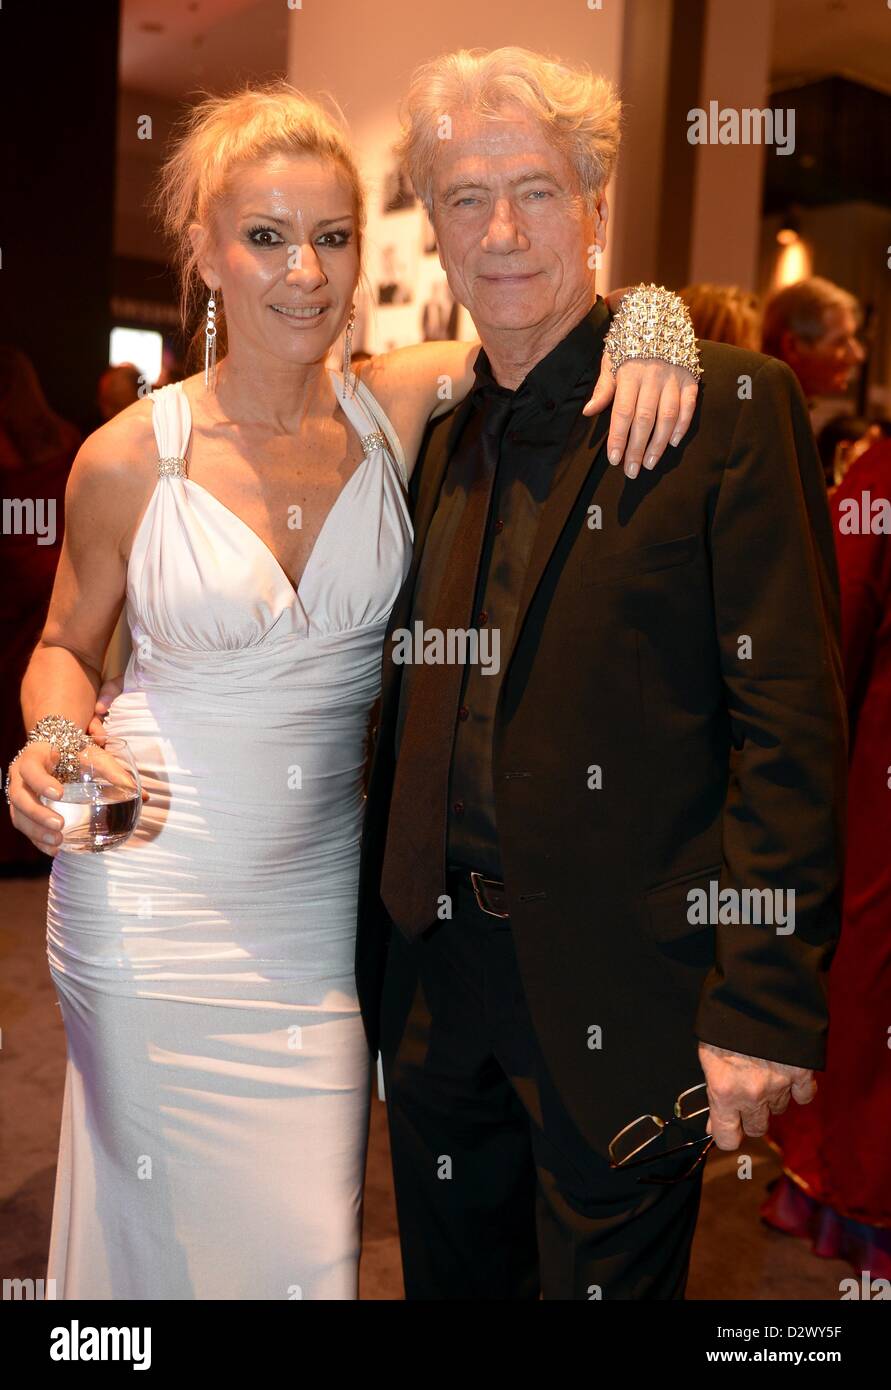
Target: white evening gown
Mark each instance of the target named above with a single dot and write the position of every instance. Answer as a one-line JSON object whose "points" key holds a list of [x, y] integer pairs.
{"points": [[217, 1087]]}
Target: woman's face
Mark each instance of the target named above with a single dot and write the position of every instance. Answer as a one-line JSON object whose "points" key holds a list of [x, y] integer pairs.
{"points": [[285, 253]]}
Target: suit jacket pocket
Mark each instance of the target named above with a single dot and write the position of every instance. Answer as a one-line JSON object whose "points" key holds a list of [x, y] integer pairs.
{"points": [[668, 906], [626, 564]]}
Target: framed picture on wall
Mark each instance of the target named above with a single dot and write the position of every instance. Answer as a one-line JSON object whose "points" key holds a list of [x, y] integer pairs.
{"points": [[398, 193]]}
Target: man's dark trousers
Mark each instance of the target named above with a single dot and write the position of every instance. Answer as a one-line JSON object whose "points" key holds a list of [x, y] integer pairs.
{"points": [[498, 1195]]}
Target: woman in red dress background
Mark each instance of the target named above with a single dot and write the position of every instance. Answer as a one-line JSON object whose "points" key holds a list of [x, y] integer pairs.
{"points": [[836, 1151], [37, 448]]}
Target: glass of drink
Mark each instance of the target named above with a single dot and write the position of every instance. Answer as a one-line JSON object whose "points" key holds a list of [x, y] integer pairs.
{"points": [[101, 806]]}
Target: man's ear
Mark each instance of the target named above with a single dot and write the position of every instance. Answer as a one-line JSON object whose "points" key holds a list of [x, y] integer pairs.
{"points": [[438, 242], [200, 245], [601, 217]]}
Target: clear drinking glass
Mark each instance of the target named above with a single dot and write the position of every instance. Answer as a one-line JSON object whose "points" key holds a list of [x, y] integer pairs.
{"points": [[101, 807]]}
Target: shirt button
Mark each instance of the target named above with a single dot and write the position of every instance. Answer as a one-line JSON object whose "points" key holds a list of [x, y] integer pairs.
{"points": [[499, 527], [483, 618], [463, 712], [458, 808]]}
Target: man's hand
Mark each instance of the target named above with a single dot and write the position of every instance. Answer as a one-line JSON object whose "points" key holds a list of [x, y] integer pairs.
{"points": [[743, 1092], [108, 692], [654, 406]]}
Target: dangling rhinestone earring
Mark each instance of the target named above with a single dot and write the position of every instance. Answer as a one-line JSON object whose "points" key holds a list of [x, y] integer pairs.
{"points": [[210, 345], [349, 379]]}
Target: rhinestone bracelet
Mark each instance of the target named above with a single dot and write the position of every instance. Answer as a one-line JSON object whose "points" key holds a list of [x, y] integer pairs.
{"points": [[653, 322], [63, 735]]}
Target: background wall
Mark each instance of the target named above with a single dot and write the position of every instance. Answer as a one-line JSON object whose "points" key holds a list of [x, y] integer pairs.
{"points": [[727, 197]]}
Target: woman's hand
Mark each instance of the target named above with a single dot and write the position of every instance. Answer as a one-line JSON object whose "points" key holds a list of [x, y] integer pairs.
{"points": [[32, 776], [653, 407]]}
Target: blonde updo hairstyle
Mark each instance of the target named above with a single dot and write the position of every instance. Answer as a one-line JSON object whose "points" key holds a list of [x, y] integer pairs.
{"points": [[219, 135], [725, 314], [579, 110]]}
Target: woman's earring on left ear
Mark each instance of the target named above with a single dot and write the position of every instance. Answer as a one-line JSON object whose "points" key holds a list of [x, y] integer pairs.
{"points": [[210, 345], [349, 380]]}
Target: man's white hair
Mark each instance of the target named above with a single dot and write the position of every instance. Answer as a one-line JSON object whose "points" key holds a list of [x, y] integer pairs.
{"points": [[580, 111]]}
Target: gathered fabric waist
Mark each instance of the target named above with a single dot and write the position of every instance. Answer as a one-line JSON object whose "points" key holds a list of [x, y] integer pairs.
{"points": [[240, 880], [291, 675]]}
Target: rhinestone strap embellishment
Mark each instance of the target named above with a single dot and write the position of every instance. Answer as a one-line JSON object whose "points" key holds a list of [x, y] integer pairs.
{"points": [[171, 468], [370, 442]]}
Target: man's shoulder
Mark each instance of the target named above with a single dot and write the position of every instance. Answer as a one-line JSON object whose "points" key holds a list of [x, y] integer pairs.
{"points": [[738, 381], [434, 444], [724, 362]]}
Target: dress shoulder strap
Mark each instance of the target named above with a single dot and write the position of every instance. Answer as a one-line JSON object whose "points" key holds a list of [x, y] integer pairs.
{"points": [[381, 429], [172, 424]]}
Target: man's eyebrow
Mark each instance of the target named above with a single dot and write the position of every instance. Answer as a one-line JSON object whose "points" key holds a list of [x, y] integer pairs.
{"points": [[528, 177]]}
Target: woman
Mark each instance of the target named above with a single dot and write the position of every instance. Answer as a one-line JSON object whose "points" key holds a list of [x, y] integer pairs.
{"points": [[841, 442], [836, 1183], [215, 1113], [725, 314]]}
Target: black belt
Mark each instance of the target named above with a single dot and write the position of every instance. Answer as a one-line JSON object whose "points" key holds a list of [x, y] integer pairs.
{"points": [[490, 894]]}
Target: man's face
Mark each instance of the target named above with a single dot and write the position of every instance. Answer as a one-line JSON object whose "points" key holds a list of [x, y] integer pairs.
{"points": [[825, 366], [513, 234]]}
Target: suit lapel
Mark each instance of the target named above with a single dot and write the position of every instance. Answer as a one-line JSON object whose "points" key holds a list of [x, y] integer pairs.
{"points": [[555, 514], [433, 462]]}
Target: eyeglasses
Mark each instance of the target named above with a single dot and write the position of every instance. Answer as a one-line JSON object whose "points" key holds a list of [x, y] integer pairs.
{"points": [[643, 1132]]}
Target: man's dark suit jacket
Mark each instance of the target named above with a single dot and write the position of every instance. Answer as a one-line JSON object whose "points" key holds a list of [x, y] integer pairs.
{"points": [[720, 758]]}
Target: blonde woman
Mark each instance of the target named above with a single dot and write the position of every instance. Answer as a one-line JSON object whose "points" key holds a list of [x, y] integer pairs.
{"points": [[725, 314], [216, 1100]]}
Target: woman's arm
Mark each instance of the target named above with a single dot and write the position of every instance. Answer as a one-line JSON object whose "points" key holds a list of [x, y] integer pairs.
{"points": [[654, 401], [416, 384], [104, 495]]}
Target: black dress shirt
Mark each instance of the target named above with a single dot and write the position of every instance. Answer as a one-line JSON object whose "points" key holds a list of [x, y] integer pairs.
{"points": [[543, 410]]}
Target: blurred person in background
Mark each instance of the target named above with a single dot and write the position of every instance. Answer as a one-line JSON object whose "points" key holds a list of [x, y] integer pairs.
{"points": [[37, 448], [836, 1183], [118, 388], [812, 326], [725, 314], [841, 442]]}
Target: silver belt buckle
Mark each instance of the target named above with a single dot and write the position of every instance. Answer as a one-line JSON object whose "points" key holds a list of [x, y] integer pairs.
{"points": [[475, 879]]}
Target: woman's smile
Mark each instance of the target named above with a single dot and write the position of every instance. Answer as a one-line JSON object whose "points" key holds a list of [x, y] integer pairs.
{"points": [[303, 316]]}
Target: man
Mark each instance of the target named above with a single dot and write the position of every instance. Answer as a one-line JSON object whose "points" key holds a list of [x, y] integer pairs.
{"points": [[648, 723], [812, 326]]}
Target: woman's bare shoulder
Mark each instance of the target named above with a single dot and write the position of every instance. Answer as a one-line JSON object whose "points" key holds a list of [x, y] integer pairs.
{"points": [[115, 465], [123, 440], [195, 392], [396, 382], [392, 376]]}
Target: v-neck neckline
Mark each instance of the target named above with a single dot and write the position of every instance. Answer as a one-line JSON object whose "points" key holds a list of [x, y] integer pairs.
{"points": [[360, 467]]}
